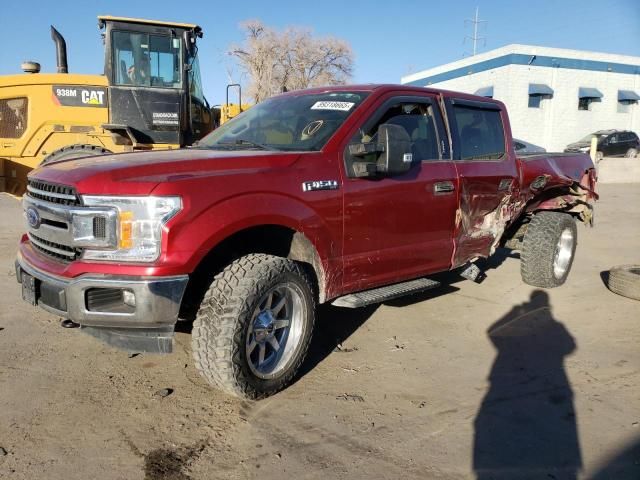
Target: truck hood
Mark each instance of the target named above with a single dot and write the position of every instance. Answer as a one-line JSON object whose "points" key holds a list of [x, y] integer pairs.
{"points": [[139, 173], [578, 145]]}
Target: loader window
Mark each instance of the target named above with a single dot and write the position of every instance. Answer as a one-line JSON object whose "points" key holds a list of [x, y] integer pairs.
{"points": [[195, 81], [144, 60]]}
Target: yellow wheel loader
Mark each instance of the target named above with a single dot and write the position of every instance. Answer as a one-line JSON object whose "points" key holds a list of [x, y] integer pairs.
{"points": [[150, 97], [225, 112]]}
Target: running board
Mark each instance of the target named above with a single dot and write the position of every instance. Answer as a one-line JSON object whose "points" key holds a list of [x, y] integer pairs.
{"points": [[382, 294]]}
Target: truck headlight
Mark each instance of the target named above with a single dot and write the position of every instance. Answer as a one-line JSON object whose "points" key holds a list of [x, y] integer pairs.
{"points": [[139, 225]]}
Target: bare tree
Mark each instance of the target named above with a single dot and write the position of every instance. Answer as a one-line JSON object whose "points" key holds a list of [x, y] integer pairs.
{"points": [[290, 60]]}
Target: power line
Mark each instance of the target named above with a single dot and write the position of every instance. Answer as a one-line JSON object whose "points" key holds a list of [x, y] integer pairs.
{"points": [[475, 21]]}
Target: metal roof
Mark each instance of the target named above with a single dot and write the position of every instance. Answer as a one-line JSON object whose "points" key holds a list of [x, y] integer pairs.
{"points": [[143, 21], [540, 89], [585, 92], [627, 95], [485, 92]]}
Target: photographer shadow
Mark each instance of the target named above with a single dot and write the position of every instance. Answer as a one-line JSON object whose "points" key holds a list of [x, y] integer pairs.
{"points": [[526, 425]]}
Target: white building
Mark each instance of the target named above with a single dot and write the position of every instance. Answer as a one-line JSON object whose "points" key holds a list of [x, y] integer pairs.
{"points": [[554, 96]]}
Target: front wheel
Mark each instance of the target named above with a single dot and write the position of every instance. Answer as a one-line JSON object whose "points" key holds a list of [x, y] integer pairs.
{"points": [[548, 248], [254, 326]]}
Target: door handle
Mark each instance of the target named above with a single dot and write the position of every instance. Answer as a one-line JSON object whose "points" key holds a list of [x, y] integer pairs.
{"points": [[443, 187]]}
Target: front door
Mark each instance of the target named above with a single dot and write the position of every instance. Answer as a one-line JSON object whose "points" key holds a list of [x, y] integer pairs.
{"points": [[397, 227], [487, 176]]}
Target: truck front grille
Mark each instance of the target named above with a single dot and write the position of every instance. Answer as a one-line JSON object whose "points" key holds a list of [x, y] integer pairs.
{"points": [[13, 117], [51, 192], [55, 250]]}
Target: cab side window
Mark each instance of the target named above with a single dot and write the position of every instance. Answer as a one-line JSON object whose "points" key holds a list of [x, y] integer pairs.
{"points": [[418, 121], [480, 133]]}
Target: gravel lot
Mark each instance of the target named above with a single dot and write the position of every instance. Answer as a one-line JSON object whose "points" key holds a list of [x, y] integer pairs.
{"points": [[497, 380]]}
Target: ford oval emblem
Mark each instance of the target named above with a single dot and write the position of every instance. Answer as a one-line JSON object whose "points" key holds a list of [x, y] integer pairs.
{"points": [[33, 217]]}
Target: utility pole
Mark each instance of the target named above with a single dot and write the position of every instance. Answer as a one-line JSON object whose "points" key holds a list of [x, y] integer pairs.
{"points": [[475, 21]]}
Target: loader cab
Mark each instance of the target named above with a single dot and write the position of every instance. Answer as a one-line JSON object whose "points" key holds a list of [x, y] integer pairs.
{"points": [[155, 87]]}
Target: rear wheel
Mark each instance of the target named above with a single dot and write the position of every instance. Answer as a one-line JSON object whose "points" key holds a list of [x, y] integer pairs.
{"points": [[75, 151], [254, 326], [631, 153], [548, 249]]}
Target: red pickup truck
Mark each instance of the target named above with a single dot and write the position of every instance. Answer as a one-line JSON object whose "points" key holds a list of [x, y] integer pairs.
{"points": [[351, 195]]}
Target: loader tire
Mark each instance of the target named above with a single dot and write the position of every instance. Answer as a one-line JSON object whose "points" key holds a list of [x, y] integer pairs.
{"points": [[548, 248], [254, 325], [74, 151], [625, 280]]}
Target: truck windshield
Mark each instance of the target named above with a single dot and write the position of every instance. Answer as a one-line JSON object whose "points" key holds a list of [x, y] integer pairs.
{"points": [[588, 138], [290, 123]]}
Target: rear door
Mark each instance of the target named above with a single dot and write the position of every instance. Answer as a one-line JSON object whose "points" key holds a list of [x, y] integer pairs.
{"points": [[614, 145], [628, 141], [487, 175], [398, 227]]}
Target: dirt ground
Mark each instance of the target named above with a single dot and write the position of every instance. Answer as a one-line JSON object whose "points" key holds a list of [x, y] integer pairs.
{"points": [[497, 380]]}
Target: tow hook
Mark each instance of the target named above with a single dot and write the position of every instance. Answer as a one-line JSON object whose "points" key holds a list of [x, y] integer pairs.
{"points": [[69, 324], [474, 273]]}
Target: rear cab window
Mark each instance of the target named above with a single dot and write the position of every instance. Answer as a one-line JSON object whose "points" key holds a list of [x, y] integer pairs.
{"points": [[477, 130]]}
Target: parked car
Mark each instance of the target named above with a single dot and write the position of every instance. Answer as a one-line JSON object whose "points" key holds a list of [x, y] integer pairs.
{"points": [[611, 143], [351, 195], [520, 146]]}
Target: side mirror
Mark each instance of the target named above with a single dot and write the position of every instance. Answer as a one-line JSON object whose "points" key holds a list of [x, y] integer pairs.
{"points": [[393, 149], [396, 157]]}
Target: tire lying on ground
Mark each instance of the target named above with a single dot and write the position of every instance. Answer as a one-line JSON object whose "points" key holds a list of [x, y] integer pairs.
{"points": [[254, 326], [74, 151], [625, 280], [548, 248]]}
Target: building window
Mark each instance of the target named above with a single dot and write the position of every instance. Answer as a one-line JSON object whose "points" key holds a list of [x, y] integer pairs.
{"points": [[537, 93], [624, 106], [626, 98], [584, 103], [535, 101], [587, 96]]}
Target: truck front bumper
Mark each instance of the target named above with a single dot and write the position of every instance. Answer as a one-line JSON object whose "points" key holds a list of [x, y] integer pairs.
{"points": [[132, 313]]}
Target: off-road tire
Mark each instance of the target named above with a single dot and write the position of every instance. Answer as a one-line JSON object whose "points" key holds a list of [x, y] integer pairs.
{"points": [[539, 248], [74, 151], [625, 280], [220, 328]]}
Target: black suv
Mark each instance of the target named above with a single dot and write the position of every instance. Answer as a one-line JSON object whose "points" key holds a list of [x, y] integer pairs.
{"points": [[611, 143]]}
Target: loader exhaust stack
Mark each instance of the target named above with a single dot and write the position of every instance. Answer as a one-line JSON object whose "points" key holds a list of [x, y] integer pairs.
{"points": [[61, 51]]}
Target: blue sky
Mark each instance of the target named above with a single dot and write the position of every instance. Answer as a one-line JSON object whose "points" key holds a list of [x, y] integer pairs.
{"points": [[390, 39]]}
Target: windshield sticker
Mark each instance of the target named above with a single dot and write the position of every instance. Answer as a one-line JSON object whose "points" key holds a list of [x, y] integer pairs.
{"points": [[341, 106]]}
